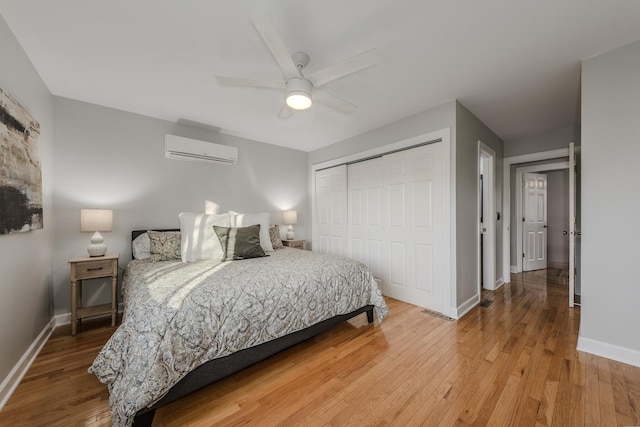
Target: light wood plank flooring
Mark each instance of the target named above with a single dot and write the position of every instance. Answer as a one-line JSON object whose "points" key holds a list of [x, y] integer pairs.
{"points": [[513, 363]]}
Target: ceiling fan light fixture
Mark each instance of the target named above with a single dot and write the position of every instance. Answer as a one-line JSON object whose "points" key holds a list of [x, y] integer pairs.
{"points": [[298, 93]]}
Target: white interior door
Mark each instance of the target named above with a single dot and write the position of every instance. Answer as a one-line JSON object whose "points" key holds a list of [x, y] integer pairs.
{"points": [[534, 221], [367, 214], [572, 225], [486, 208], [330, 218]]}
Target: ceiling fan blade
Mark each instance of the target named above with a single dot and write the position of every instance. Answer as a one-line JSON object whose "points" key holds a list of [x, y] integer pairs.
{"points": [[333, 101], [269, 33], [237, 81], [351, 65], [285, 112]]}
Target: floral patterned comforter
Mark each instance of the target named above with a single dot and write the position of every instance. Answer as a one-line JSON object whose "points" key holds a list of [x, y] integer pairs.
{"points": [[178, 316]]}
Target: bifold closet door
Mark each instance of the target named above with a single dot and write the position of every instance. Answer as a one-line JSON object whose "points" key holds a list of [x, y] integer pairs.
{"points": [[395, 222], [368, 218], [330, 228], [415, 229]]}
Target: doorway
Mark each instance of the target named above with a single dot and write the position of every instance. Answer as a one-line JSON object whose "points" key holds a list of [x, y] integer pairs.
{"points": [[522, 227], [487, 218], [513, 210]]}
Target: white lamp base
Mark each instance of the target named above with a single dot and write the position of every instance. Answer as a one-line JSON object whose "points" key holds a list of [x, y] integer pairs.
{"points": [[290, 234], [97, 247]]}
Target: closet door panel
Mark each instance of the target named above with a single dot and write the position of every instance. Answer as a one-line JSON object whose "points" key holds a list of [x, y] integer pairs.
{"points": [[330, 217]]}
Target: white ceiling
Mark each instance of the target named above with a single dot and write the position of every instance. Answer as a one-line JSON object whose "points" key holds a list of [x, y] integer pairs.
{"points": [[514, 63]]}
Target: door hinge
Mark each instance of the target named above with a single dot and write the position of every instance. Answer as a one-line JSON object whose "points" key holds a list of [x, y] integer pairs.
{"points": [[522, 219], [523, 183], [522, 254]]}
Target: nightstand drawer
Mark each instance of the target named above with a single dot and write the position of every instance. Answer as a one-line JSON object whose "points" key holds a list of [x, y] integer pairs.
{"points": [[90, 269]]}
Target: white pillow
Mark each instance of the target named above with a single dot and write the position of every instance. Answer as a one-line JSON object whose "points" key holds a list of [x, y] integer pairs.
{"points": [[211, 207], [141, 246], [245, 220], [199, 241]]}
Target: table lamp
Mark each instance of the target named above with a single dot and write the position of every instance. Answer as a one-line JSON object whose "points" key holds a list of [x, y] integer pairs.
{"points": [[96, 220], [290, 217]]}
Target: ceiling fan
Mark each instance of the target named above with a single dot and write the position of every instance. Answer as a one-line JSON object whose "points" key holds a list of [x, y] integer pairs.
{"points": [[300, 90]]}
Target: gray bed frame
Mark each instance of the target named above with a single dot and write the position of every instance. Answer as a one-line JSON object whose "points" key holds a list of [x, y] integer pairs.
{"points": [[222, 367]]}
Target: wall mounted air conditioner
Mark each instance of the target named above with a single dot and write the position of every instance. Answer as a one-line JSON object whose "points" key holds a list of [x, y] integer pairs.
{"points": [[178, 147]]}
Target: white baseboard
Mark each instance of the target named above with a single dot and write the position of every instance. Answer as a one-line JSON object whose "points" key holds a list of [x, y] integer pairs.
{"points": [[451, 312], [499, 283], [514, 268], [62, 319], [467, 305], [610, 351], [20, 369]]}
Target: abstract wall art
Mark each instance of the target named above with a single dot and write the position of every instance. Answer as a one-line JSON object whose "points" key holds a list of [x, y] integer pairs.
{"points": [[20, 170]]}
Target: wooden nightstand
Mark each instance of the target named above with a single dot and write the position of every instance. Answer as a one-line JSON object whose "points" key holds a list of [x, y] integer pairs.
{"points": [[93, 268], [296, 244]]}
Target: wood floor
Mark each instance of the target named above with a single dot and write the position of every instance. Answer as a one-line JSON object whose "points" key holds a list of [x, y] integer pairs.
{"points": [[513, 363]]}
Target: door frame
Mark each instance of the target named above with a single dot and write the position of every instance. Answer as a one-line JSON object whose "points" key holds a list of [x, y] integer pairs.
{"points": [[443, 136], [488, 155], [519, 209], [506, 199]]}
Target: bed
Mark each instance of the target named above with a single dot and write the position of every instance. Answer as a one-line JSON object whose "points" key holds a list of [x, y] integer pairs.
{"points": [[187, 325]]}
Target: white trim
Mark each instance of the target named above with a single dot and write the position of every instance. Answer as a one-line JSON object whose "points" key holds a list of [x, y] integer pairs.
{"points": [[12, 380], [449, 202], [466, 306], [519, 173], [514, 269], [499, 282], [506, 191], [18, 372], [610, 351], [384, 149], [62, 319]]}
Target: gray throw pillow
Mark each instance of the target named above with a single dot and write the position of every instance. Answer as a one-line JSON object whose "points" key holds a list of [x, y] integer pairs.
{"points": [[240, 242]]}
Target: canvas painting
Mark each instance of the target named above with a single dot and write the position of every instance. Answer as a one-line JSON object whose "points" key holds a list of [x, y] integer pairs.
{"points": [[20, 170]]}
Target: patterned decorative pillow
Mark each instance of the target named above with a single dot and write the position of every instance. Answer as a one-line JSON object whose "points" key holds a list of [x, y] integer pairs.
{"points": [[165, 245], [276, 240], [240, 242]]}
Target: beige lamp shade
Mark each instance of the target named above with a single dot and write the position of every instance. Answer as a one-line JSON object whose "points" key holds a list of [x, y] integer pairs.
{"points": [[290, 217], [96, 220]]}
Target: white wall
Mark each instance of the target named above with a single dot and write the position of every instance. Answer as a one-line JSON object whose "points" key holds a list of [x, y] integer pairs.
{"points": [[25, 258], [107, 158], [610, 204]]}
